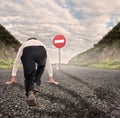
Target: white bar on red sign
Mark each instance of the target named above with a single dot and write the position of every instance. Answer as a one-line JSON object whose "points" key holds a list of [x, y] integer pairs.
{"points": [[59, 41]]}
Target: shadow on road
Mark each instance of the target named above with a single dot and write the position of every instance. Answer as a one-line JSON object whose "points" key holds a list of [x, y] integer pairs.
{"points": [[77, 79], [82, 108]]}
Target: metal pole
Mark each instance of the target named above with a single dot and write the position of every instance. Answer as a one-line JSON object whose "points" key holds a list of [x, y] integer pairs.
{"points": [[59, 58]]}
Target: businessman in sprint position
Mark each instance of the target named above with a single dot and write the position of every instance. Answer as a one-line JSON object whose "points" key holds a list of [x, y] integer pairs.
{"points": [[34, 57]]}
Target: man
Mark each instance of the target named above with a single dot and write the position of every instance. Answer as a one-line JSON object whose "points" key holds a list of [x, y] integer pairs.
{"points": [[34, 57]]}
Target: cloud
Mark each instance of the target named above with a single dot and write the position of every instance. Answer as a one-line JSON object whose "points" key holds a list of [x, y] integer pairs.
{"points": [[83, 22]]}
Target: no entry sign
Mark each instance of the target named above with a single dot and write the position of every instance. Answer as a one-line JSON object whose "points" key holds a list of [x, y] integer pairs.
{"points": [[59, 41]]}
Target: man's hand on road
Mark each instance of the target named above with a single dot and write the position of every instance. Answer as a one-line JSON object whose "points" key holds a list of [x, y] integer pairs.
{"points": [[13, 80], [52, 81], [10, 82]]}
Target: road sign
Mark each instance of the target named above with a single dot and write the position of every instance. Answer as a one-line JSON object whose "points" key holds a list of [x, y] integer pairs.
{"points": [[59, 41]]}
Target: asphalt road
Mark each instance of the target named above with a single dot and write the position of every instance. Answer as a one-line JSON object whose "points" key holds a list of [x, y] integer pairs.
{"points": [[82, 93]]}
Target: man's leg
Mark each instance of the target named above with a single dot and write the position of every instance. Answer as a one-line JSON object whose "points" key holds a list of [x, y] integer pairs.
{"points": [[39, 73], [29, 74], [41, 61]]}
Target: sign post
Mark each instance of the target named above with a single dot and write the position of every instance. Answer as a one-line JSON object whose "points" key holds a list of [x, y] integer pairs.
{"points": [[59, 59], [59, 41]]}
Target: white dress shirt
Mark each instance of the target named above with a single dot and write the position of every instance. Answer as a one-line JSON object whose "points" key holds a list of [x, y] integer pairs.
{"points": [[17, 61]]}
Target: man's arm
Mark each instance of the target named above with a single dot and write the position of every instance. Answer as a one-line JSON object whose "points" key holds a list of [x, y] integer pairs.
{"points": [[15, 66], [50, 71]]}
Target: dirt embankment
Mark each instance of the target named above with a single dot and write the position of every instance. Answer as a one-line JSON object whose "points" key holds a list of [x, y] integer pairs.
{"points": [[7, 52], [96, 55]]}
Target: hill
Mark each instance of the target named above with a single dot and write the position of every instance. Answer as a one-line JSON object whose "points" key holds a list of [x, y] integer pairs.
{"points": [[103, 54], [8, 46]]}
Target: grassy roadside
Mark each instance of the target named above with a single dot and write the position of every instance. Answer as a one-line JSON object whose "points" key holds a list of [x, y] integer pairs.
{"points": [[6, 64], [109, 64]]}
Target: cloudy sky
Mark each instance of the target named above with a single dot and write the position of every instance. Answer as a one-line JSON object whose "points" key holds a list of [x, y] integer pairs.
{"points": [[82, 22]]}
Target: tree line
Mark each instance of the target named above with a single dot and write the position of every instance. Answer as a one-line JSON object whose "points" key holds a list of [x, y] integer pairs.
{"points": [[7, 39], [112, 38]]}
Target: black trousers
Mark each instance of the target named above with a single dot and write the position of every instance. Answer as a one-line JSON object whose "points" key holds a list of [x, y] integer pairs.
{"points": [[33, 60]]}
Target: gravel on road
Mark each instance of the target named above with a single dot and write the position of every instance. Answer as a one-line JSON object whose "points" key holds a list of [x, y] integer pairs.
{"points": [[82, 93]]}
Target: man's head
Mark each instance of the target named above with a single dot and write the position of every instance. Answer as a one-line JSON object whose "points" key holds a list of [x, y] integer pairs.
{"points": [[32, 38]]}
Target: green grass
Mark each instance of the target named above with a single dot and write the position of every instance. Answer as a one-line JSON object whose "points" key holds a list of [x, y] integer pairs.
{"points": [[109, 64], [6, 64]]}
